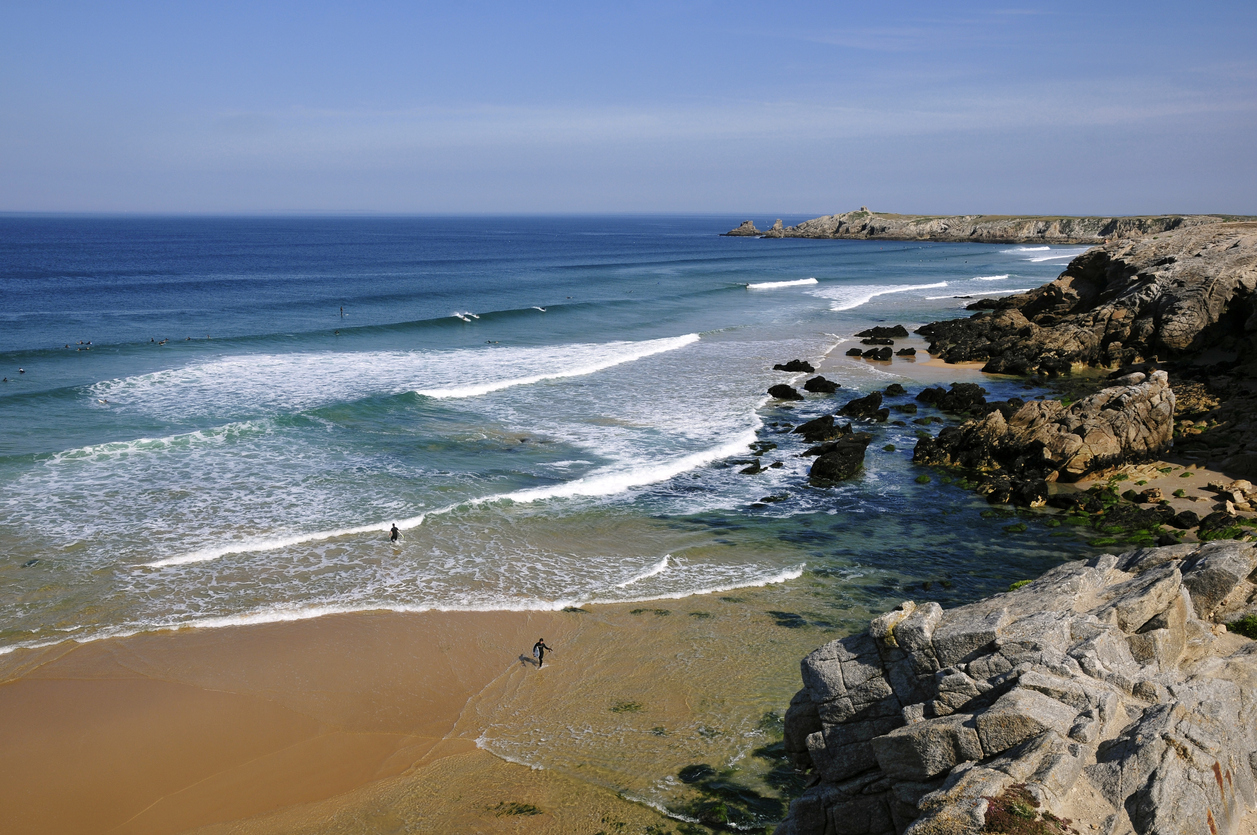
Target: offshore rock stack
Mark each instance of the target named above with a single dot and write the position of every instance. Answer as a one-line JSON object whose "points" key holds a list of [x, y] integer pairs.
{"points": [[1104, 696]]}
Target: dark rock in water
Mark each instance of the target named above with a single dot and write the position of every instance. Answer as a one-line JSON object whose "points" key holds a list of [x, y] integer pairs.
{"points": [[760, 447], [963, 397], [881, 354], [894, 390], [868, 407], [821, 449], [29, 563], [1023, 492], [844, 459], [896, 332], [819, 385], [821, 429], [1184, 520], [906, 408], [854, 352], [931, 394], [754, 469], [795, 365], [877, 340], [694, 773], [906, 352], [783, 392], [776, 465]]}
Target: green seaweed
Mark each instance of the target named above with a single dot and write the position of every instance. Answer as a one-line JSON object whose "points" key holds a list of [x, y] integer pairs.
{"points": [[1246, 626]]}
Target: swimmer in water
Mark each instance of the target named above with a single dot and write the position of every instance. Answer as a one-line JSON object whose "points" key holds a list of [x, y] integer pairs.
{"points": [[394, 534]]}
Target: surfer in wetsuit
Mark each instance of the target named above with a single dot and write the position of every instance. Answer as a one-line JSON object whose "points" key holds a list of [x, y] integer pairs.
{"points": [[539, 651], [394, 534]]}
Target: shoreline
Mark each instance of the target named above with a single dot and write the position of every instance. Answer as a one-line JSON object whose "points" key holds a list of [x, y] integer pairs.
{"points": [[282, 727]]}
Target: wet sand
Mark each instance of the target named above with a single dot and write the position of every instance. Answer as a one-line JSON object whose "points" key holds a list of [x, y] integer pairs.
{"points": [[362, 722]]}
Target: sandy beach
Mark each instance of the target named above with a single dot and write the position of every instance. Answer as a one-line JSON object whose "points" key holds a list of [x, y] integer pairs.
{"points": [[359, 720]]}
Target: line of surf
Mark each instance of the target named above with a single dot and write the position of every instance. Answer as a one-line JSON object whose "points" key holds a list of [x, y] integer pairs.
{"points": [[588, 486], [990, 277], [296, 612], [773, 285], [849, 298], [654, 571], [633, 351]]}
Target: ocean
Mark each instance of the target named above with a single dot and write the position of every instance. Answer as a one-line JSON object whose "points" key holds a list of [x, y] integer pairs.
{"points": [[216, 421]]}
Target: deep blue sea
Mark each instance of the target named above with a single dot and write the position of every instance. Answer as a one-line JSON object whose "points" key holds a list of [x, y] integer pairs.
{"points": [[212, 421]]}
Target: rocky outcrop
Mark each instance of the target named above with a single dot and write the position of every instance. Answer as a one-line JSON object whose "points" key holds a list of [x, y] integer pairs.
{"points": [[981, 228], [783, 392], [1100, 697], [1192, 293], [841, 459], [746, 230], [869, 406], [796, 366], [819, 385], [1044, 439]]}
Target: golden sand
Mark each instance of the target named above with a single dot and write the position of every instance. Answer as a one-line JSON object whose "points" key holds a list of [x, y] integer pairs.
{"points": [[371, 721]]}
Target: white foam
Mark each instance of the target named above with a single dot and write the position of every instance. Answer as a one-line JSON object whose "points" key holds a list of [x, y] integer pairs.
{"points": [[1027, 249], [242, 385], [287, 613], [218, 434], [615, 353], [990, 277], [773, 285], [654, 570], [594, 485], [769, 580], [853, 296], [258, 544], [1051, 257]]}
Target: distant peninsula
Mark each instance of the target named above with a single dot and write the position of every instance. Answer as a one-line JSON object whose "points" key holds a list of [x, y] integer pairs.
{"points": [[999, 229]]}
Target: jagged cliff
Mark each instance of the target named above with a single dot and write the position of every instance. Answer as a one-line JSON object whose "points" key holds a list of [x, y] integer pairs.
{"points": [[1103, 697], [979, 228]]}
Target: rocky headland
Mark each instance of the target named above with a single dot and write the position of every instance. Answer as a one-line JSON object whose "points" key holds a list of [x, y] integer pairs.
{"points": [[1106, 696], [864, 224]]}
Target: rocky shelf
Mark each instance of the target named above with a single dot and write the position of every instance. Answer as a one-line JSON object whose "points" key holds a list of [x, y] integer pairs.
{"points": [[864, 224]]}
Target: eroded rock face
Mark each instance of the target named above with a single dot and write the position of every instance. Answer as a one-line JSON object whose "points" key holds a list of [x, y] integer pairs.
{"points": [[1044, 439], [1098, 687], [1166, 297]]}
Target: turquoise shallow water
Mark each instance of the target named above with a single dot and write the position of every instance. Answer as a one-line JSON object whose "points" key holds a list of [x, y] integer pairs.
{"points": [[217, 420]]}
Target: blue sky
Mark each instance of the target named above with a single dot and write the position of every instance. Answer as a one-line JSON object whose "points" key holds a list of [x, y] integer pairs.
{"points": [[744, 108]]}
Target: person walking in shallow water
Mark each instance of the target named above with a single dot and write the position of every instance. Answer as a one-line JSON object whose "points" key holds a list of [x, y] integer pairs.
{"points": [[394, 534], [539, 650]]}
